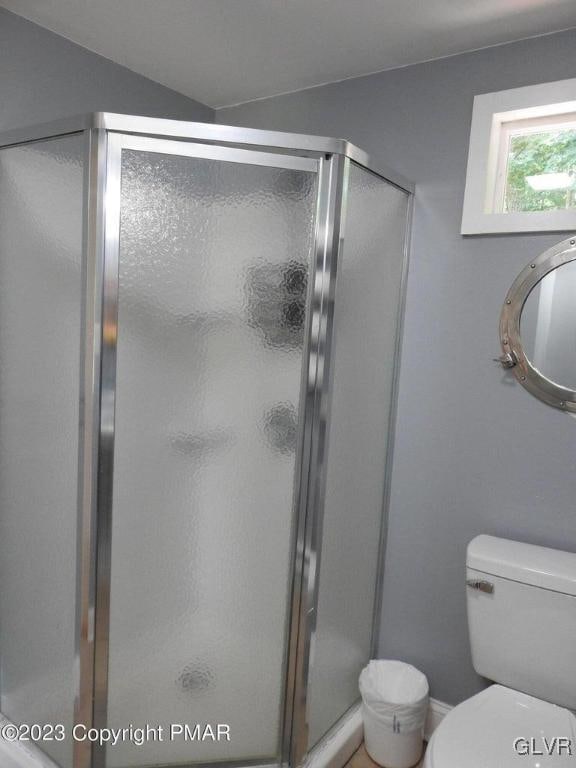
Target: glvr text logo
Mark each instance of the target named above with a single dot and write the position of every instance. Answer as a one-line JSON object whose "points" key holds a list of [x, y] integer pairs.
{"points": [[555, 745]]}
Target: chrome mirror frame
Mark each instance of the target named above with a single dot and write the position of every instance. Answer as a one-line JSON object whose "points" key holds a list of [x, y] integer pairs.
{"points": [[513, 354]]}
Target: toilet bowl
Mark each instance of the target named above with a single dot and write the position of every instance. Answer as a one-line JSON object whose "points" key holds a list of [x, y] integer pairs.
{"points": [[503, 728], [521, 605]]}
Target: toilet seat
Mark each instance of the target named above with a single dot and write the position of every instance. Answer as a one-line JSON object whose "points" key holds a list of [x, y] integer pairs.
{"points": [[480, 733]]}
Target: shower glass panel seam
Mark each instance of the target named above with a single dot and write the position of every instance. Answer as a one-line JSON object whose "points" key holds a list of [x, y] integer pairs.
{"points": [[328, 241], [307, 395], [103, 513], [90, 393]]}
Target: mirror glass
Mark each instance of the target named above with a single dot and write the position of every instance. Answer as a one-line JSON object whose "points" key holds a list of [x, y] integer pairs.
{"points": [[548, 326]]}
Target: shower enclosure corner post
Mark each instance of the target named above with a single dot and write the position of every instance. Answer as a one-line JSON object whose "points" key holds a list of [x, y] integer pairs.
{"points": [[107, 298], [96, 141], [327, 246]]}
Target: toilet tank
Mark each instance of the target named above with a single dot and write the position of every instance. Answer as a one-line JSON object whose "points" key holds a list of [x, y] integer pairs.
{"points": [[522, 617]]}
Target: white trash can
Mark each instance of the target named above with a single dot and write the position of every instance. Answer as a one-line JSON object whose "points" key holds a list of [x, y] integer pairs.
{"points": [[394, 708]]}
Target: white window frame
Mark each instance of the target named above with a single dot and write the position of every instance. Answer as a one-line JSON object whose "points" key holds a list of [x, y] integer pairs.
{"points": [[495, 116]]}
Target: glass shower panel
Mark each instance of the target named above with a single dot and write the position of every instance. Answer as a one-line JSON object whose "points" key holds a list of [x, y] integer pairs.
{"points": [[214, 261], [40, 310], [368, 295]]}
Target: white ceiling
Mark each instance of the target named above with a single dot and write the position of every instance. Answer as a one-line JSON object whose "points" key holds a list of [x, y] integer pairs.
{"points": [[222, 52]]}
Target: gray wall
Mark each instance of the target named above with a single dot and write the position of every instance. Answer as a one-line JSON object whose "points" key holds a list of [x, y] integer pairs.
{"points": [[474, 452], [44, 77]]}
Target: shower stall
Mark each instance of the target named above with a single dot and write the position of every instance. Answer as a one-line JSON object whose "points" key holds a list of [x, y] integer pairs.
{"points": [[199, 333]]}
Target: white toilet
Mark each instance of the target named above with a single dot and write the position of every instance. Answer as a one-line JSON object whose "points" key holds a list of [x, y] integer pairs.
{"points": [[522, 622]]}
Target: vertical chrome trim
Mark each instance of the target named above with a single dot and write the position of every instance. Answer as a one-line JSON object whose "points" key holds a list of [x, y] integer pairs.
{"points": [[302, 464], [392, 419], [89, 418], [109, 333], [328, 243]]}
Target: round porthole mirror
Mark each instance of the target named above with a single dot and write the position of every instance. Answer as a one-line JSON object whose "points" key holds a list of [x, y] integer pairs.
{"points": [[538, 326]]}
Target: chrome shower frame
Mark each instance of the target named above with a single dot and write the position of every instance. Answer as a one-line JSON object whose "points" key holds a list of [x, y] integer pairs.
{"points": [[105, 135]]}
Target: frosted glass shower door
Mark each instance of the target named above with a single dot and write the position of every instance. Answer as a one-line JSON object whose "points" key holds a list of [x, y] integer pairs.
{"points": [[214, 255], [366, 316], [40, 331]]}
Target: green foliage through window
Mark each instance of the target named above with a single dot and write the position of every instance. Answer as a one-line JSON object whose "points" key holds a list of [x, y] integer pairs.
{"points": [[532, 154]]}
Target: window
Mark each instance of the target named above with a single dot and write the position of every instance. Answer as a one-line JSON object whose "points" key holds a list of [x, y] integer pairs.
{"points": [[537, 165], [522, 161]]}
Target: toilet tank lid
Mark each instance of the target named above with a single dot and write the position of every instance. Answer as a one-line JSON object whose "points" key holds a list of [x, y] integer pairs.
{"points": [[529, 564]]}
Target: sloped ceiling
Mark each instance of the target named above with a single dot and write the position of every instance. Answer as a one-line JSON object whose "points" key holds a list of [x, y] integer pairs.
{"points": [[223, 52]]}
